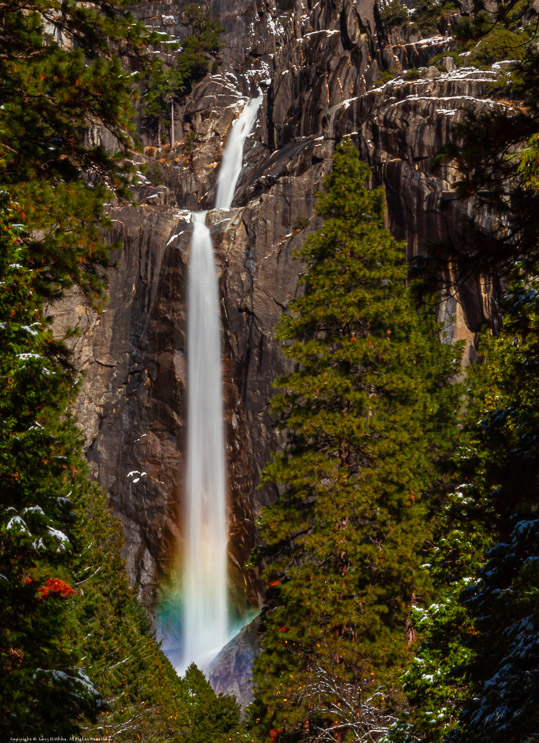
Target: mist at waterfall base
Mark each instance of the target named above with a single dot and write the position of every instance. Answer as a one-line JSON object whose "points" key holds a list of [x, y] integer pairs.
{"points": [[194, 616]]}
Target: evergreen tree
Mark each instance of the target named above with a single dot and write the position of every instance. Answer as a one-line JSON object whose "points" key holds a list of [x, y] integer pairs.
{"points": [[475, 676], [368, 413], [215, 718], [436, 684], [42, 688], [505, 675], [62, 74], [61, 71], [503, 700], [140, 693]]}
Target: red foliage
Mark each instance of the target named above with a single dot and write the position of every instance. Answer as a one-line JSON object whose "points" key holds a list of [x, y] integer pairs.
{"points": [[55, 585]]}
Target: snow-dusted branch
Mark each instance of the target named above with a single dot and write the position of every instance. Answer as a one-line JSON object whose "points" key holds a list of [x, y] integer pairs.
{"points": [[346, 709]]}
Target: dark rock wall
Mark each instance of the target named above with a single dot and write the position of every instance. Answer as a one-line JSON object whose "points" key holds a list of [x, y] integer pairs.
{"points": [[317, 64]]}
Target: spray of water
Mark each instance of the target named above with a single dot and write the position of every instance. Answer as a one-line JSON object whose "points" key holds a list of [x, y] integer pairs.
{"points": [[205, 602]]}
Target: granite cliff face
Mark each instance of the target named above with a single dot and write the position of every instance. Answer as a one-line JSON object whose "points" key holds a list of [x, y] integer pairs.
{"points": [[319, 66]]}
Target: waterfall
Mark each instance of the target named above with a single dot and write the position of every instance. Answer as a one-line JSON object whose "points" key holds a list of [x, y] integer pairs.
{"points": [[205, 572], [205, 599], [233, 155]]}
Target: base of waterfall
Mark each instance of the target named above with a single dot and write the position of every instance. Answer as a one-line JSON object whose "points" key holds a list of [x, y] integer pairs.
{"points": [[172, 645], [228, 668]]}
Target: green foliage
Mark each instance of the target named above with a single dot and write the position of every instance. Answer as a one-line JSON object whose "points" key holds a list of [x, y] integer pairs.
{"points": [[120, 655], [429, 14], [42, 689], [455, 56], [387, 75], [503, 699], [61, 74], [168, 82], [518, 16], [505, 602], [65, 223], [395, 14], [528, 167], [51, 89], [412, 74], [435, 684], [214, 718], [499, 44], [302, 224], [480, 660], [368, 413]]}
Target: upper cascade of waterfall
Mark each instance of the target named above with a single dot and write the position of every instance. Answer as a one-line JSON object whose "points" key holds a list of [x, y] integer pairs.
{"points": [[233, 155]]}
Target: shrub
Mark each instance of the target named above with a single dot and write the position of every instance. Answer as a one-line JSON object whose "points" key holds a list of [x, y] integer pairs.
{"points": [[498, 45], [395, 14]]}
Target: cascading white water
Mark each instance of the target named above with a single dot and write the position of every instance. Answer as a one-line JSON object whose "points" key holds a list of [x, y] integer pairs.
{"points": [[205, 570], [205, 602], [233, 155]]}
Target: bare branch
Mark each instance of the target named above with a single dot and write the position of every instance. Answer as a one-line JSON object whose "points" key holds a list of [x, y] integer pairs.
{"points": [[345, 708]]}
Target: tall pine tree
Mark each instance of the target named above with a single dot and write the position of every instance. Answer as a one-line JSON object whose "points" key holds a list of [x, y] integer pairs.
{"points": [[365, 411]]}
